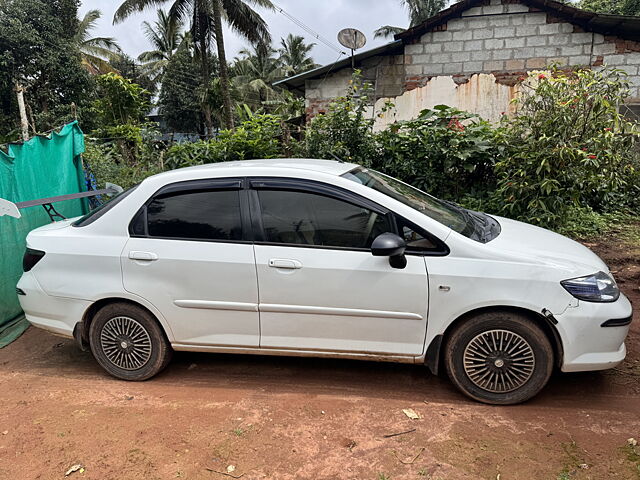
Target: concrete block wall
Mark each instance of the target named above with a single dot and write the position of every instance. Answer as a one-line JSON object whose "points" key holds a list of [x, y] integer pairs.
{"points": [[499, 41], [508, 39], [386, 72]]}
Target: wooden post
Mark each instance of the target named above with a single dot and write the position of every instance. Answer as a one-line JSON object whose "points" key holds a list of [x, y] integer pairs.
{"points": [[23, 112]]}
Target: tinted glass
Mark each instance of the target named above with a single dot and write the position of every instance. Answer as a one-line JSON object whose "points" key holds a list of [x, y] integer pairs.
{"points": [[437, 209], [413, 238], [208, 215], [312, 219], [96, 213]]}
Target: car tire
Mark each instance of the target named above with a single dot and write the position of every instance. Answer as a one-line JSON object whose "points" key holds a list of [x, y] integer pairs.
{"points": [[500, 358], [128, 342]]}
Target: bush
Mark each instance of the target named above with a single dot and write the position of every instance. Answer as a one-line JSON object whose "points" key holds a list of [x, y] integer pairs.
{"points": [[446, 152], [107, 165], [344, 132], [567, 146], [258, 137]]}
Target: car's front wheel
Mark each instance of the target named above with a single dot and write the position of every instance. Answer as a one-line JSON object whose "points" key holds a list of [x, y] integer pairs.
{"points": [[500, 358], [128, 342]]}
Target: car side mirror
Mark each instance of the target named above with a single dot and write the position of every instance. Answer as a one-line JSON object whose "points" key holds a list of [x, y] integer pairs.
{"points": [[392, 246]]}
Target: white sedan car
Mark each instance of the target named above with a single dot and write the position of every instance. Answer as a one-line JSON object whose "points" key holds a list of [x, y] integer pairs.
{"points": [[322, 258]]}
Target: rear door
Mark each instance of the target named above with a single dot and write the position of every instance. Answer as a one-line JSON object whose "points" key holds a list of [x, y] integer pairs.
{"points": [[320, 287], [190, 255]]}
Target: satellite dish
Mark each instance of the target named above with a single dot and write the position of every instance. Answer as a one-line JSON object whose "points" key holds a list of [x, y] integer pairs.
{"points": [[352, 38]]}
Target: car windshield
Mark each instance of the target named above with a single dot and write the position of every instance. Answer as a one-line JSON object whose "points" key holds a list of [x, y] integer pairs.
{"points": [[474, 225]]}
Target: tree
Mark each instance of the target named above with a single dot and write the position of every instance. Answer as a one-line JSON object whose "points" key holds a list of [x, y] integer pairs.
{"points": [[254, 72], [419, 11], [206, 17], [39, 52], [165, 37], [180, 108], [96, 51], [616, 7], [128, 68], [294, 55]]}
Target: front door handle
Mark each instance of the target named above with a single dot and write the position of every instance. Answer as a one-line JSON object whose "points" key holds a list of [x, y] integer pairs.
{"points": [[145, 256], [285, 263]]}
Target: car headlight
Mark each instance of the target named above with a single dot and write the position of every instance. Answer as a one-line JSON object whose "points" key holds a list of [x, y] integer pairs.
{"points": [[599, 287]]}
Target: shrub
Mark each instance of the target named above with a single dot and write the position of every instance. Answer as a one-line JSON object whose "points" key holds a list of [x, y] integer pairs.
{"points": [[344, 132], [107, 165], [567, 146], [258, 137], [446, 152]]}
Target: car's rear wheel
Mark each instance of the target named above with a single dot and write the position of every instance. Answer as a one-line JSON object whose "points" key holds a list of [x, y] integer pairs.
{"points": [[500, 358], [128, 342]]}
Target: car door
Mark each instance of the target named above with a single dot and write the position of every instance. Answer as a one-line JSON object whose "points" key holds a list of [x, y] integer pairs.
{"points": [[189, 254], [320, 288]]}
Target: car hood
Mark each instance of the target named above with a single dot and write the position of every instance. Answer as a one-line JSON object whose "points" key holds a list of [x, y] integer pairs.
{"points": [[538, 245]]}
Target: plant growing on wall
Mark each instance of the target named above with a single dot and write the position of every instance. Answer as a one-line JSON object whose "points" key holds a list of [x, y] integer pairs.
{"points": [[567, 146], [345, 131]]}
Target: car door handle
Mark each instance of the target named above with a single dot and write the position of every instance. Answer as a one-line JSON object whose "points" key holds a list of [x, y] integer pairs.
{"points": [[146, 256], [285, 263]]}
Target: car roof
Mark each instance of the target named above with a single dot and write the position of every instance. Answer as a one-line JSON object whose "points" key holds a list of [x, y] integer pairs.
{"points": [[331, 167]]}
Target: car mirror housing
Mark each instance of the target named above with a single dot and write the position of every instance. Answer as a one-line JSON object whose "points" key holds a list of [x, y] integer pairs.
{"points": [[392, 246]]}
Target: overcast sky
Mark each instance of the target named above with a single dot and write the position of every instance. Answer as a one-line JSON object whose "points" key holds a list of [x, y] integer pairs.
{"points": [[327, 17]]}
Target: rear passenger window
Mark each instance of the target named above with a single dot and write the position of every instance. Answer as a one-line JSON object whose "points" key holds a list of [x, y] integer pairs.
{"points": [[200, 215]]}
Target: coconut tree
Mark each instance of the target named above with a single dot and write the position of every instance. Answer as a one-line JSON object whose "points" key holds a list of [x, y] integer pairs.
{"points": [[255, 70], [165, 36], [294, 55], [206, 19], [96, 51], [419, 11]]}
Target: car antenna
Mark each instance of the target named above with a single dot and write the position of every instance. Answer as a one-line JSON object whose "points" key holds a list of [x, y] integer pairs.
{"points": [[336, 157]]}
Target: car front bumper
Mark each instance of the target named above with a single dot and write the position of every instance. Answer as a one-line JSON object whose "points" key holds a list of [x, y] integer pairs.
{"points": [[58, 315], [593, 334]]}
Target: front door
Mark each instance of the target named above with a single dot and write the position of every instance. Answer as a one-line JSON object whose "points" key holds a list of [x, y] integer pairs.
{"points": [[319, 286], [189, 256]]}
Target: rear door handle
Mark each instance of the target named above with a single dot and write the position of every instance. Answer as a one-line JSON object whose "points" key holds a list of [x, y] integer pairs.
{"points": [[145, 256], [285, 263]]}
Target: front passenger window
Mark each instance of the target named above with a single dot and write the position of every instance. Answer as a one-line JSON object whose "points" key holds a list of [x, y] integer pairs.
{"points": [[303, 218]]}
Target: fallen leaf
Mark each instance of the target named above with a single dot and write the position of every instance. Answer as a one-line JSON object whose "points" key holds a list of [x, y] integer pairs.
{"points": [[73, 469], [409, 412]]}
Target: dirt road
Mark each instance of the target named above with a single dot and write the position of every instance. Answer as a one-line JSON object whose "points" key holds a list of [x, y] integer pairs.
{"points": [[288, 418]]}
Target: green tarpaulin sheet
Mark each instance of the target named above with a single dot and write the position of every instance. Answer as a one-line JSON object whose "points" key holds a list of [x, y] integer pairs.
{"points": [[41, 167]]}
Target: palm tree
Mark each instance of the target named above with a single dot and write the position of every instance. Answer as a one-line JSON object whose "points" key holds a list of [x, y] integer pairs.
{"points": [[165, 37], [294, 55], [419, 11], [254, 72], [96, 51], [206, 17]]}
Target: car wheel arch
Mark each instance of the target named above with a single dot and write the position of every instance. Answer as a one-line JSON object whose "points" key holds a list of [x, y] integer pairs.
{"points": [[81, 330], [435, 351]]}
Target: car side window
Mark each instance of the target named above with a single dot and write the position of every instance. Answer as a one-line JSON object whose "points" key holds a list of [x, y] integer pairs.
{"points": [[197, 215], [414, 238], [305, 218]]}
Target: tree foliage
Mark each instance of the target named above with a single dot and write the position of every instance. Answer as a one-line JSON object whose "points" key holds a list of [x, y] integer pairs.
{"points": [[419, 12], [40, 53], [179, 102], [615, 7], [567, 146], [96, 52], [295, 55]]}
